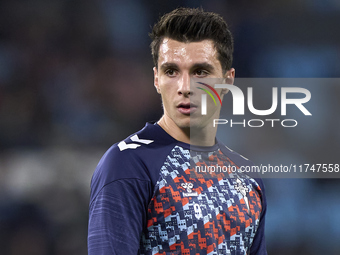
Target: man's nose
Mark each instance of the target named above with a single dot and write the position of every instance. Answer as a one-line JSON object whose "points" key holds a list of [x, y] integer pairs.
{"points": [[184, 85]]}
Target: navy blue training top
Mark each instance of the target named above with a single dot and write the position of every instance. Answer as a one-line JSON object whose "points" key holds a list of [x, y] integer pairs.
{"points": [[151, 194]]}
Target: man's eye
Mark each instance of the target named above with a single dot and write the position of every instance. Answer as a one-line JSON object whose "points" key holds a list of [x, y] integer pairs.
{"points": [[201, 73], [170, 72]]}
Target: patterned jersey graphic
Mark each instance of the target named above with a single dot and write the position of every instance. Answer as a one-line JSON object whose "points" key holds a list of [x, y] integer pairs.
{"points": [[192, 213]]}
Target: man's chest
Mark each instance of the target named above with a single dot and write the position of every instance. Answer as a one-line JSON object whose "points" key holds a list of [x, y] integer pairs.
{"points": [[190, 211]]}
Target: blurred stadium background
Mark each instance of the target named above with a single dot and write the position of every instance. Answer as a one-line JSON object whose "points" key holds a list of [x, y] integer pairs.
{"points": [[76, 77]]}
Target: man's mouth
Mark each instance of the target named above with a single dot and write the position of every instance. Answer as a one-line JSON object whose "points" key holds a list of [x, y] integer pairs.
{"points": [[187, 108]]}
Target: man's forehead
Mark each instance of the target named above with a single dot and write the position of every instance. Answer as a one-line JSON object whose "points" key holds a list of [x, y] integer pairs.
{"points": [[171, 44], [172, 49]]}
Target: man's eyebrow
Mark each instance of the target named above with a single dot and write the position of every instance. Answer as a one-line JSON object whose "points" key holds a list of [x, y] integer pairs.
{"points": [[203, 65], [168, 65]]}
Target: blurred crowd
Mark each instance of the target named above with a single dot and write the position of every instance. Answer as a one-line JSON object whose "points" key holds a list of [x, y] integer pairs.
{"points": [[76, 77]]}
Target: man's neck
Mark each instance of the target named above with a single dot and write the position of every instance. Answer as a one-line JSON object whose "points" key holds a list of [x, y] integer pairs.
{"points": [[194, 136]]}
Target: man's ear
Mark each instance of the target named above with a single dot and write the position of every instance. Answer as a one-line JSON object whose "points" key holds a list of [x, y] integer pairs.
{"points": [[155, 79], [229, 78]]}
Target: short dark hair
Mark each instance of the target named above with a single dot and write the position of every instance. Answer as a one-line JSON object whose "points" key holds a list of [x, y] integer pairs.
{"points": [[194, 25]]}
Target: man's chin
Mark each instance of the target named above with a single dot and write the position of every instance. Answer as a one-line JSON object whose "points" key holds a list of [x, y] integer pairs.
{"points": [[184, 125], [194, 122]]}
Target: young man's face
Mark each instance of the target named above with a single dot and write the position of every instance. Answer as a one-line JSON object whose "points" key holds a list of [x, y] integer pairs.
{"points": [[178, 62]]}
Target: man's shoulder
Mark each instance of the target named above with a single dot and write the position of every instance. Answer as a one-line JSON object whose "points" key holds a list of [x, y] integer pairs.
{"points": [[150, 137], [138, 148], [135, 157], [141, 144]]}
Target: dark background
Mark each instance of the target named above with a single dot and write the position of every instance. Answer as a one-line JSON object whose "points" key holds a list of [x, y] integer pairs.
{"points": [[76, 77]]}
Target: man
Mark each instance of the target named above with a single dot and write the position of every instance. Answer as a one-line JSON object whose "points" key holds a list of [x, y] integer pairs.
{"points": [[146, 196]]}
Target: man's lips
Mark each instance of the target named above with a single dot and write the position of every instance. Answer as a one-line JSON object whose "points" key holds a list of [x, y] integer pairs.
{"points": [[187, 108]]}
